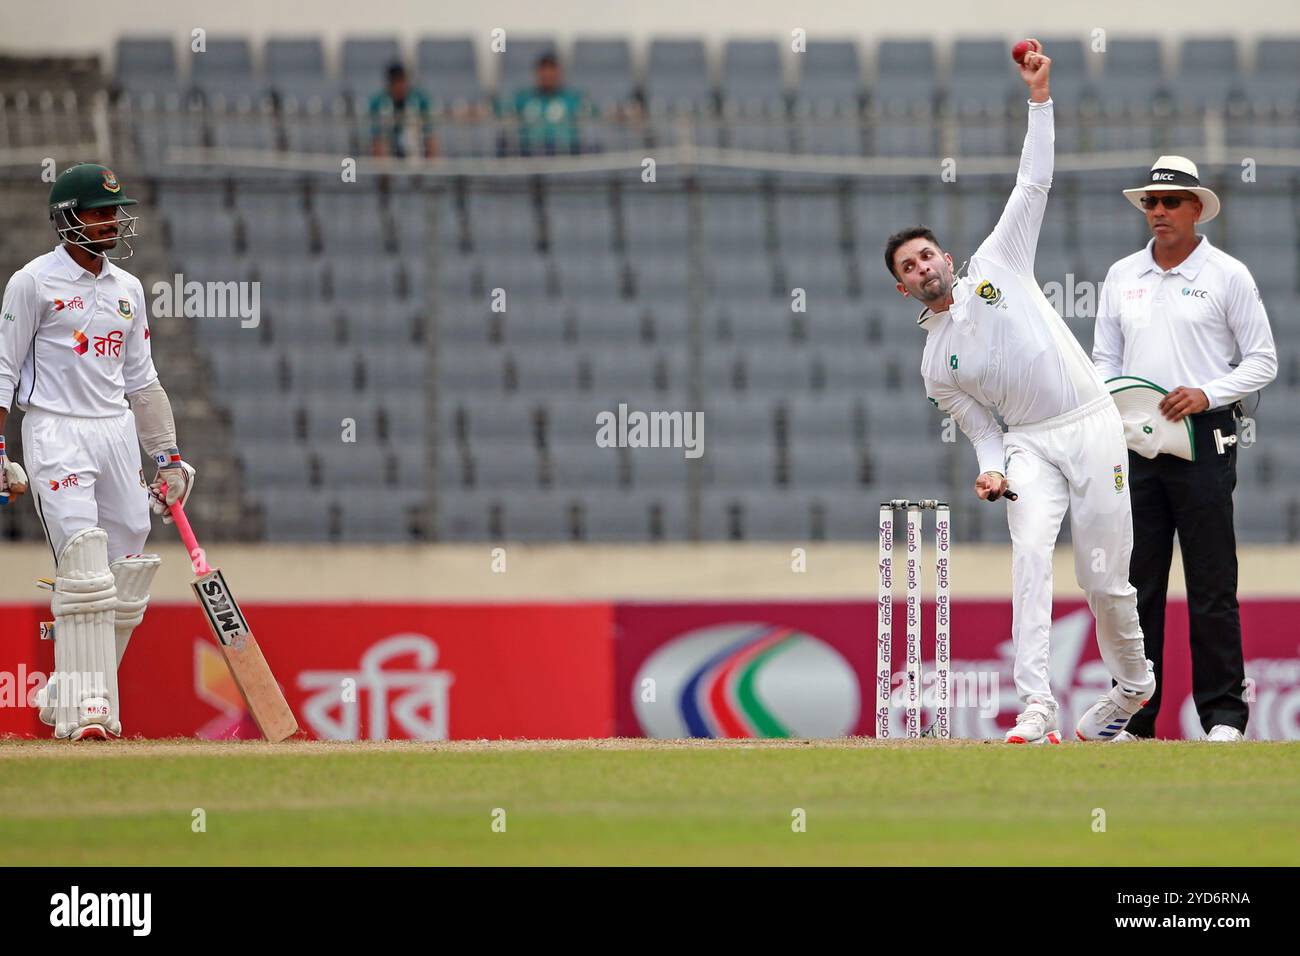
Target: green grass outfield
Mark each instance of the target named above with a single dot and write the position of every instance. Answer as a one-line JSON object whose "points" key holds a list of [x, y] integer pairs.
{"points": [[649, 802]]}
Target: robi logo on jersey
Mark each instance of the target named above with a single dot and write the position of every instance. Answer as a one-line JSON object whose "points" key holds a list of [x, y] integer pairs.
{"points": [[74, 303]]}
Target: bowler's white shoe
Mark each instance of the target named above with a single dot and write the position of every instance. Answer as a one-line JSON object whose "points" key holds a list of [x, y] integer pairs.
{"points": [[1223, 734], [1110, 715], [1037, 725], [1124, 737]]}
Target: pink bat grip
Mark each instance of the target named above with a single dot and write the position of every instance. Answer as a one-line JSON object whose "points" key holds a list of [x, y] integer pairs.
{"points": [[187, 536]]}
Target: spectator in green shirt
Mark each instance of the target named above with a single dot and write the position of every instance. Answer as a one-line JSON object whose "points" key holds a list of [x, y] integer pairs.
{"points": [[394, 111], [548, 113]]}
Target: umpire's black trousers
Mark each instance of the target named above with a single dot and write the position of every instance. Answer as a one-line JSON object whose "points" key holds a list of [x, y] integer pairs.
{"points": [[1193, 498]]}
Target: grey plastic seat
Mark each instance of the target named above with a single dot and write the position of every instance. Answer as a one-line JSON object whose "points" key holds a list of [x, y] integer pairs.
{"points": [[644, 370], [656, 220], [677, 77], [539, 516], [633, 516], [224, 65], [814, 462], [390, 372], [755, 516], [751, 77], [659, 277], [740, 466], [1266, 516], [596, 274], [1208, 73], [296, 515], [248, 129], [348, 469], [804, 220], [1133, 76], [819, 271], [577, 466], [329, 417], [351, 222], [580, 220], [323, 370], [766, 325], [826, 418], [264, 464], [982, 78], [582, 418], [243, 371], [831, 79], [732, 420], [909, 462], [527, 324], [502, 466], [213, 231], [906, 77], [146, 63], [602, 69], [261, 417], [603, 323], [464, 515], [734, 219], [504, 419], [477, 372], [664, 471], [364, 63], [447, 70], [543, 371], [387, 517], [358, 277]]}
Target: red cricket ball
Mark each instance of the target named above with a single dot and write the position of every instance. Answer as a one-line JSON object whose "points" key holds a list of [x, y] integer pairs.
{"points": [[1020, 49]]}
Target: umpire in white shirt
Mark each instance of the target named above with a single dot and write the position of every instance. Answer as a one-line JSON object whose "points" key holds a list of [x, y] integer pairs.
{"points": [[1177, 313]]}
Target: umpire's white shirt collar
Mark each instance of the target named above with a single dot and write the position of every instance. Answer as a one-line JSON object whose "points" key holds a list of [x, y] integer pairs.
{"points": [[1188, 268]]}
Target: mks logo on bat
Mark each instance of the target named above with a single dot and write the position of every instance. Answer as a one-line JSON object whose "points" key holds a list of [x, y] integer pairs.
{"points": [[227, 619]]}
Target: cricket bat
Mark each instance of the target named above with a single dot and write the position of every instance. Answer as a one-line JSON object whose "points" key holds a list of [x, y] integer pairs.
{"points": [[243, 655]]}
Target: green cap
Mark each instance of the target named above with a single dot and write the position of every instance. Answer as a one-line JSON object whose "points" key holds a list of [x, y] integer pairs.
{"points": [[87, 186]]}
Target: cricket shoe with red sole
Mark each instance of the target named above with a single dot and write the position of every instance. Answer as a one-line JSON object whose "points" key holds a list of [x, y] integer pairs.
{"points": [[95, 722], [1036, 725], [1106, 719]]}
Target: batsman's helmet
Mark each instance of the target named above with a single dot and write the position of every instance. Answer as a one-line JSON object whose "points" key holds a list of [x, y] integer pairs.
{"points": [[90, 186]]}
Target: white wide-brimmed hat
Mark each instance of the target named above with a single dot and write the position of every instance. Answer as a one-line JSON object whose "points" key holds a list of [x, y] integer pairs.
{"points": [[1146, 430], [1176, 174]]}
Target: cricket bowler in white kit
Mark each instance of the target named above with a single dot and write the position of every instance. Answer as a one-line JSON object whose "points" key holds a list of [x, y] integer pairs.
{"points": [[74, 355], [993, 341]]}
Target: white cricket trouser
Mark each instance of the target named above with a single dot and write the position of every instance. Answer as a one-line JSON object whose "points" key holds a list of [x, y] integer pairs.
{"points": [[1079, 460], [85, 473]]}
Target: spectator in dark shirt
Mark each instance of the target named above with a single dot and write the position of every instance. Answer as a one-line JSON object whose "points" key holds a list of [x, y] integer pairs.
{"points": [[394, 111]]}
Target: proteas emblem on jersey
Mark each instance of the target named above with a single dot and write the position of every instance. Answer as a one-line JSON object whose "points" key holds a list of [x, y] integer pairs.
{"points": [[1119, 477], [987, 291]]}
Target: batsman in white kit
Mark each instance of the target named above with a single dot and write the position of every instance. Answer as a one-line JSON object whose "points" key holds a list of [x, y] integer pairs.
{"points": [[74, 355], [993, 341]]}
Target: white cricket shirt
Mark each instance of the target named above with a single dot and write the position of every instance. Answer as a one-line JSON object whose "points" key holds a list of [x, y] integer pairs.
{"points": [[1001, 345], [72, 342], [1183, 327]]}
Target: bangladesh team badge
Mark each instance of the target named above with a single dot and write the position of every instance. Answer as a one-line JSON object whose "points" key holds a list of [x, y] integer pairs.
{"points": [[124, 308]]}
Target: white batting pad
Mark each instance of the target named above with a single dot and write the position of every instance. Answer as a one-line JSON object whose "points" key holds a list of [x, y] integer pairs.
{"points": [[134, 577], [85, 659]]}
